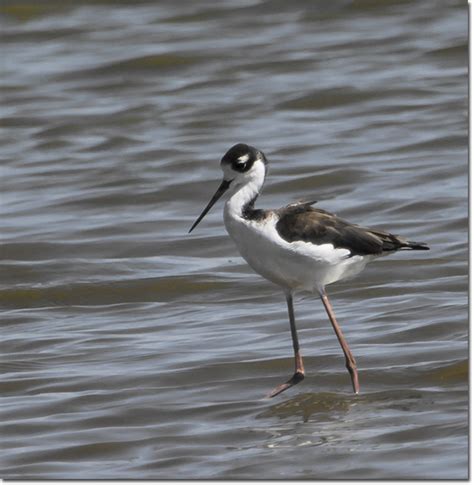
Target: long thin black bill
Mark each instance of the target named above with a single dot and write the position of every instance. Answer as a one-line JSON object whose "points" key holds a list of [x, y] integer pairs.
{"points": [[222, 188]]}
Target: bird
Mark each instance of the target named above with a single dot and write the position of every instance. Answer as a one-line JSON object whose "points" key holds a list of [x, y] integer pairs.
{"points": [[297, 247]]}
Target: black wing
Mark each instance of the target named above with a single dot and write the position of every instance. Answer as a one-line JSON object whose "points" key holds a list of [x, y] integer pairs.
{"points": [[301, 222]]}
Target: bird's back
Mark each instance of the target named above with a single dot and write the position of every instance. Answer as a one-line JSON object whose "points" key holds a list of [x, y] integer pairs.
{"points": [[302, 222]]}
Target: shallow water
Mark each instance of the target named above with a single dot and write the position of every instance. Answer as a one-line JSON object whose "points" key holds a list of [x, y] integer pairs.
{"points": [[133, 350]]}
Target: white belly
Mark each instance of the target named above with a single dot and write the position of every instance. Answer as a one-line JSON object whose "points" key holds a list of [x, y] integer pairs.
{"points": [[295, 265]]}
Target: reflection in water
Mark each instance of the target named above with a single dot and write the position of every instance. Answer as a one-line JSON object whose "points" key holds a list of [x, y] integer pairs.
{"points": [[325, 410], [333, 425], [323, 405]]}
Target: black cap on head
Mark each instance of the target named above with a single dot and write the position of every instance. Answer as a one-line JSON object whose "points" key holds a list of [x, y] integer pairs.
{"points": [[241, 157]]}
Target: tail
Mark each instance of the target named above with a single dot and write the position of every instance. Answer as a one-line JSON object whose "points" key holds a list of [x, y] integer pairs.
{"points": [[392, 242], [415, 245]]}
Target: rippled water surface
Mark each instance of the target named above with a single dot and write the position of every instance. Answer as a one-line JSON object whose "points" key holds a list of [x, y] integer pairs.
{"points": [[134, 350]]}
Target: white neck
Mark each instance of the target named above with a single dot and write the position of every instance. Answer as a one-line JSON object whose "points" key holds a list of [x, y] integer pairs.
{"points": [[245, 190]]}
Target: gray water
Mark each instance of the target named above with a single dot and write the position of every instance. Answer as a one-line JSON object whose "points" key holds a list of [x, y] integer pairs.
{"points": [[131, 349]]}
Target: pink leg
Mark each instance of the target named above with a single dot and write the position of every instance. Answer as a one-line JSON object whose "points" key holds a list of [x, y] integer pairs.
{"points": [[298, 376], [350, 361]]}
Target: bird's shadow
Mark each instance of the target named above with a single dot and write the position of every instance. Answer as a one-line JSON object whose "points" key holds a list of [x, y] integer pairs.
{"points": [[307, 405]]}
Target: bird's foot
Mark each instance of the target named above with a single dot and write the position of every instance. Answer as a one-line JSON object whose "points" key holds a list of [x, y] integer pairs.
{"points": [[297, 377]]}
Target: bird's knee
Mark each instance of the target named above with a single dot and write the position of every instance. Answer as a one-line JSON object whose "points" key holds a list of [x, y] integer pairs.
{"points": [[351, 366]]}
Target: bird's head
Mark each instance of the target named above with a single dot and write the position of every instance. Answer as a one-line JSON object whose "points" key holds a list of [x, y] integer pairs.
{"points": [[242, 165]]}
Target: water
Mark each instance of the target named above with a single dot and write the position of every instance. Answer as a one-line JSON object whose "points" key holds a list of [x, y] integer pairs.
{"points": [[133, 350]]}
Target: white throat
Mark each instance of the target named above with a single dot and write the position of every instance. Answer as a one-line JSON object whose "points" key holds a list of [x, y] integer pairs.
{"points": [[244, 190]]}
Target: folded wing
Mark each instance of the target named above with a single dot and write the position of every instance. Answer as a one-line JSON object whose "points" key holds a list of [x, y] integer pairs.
{"points": [[301, 222]]}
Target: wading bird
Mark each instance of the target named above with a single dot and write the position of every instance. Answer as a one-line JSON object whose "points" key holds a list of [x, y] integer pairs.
{"points": [[297, 247]]}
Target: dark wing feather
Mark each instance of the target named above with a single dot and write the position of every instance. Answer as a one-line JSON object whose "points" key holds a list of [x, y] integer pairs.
{"points": [[301, 222]]}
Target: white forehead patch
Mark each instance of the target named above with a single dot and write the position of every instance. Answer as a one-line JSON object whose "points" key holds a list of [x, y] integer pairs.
{"points": [[243, 158]]}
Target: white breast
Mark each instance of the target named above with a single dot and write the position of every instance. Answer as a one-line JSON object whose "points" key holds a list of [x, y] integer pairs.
{"points": [[295, 265]]}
